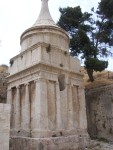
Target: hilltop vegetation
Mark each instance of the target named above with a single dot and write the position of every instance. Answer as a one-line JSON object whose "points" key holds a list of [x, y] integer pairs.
{"points": [[3, 82], [100, 78], [3, 68]]}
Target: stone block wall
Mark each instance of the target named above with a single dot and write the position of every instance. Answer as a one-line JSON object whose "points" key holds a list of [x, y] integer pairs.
{"points": [[99, 102], [4, 126], [55, 143]]}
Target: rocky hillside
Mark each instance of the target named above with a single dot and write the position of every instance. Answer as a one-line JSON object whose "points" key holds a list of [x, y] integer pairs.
{"points": [[100, 79], [99, 105], [3, 83]]}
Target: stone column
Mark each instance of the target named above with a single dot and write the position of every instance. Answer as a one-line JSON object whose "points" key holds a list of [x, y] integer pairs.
{"points": [[9, 96], [64, 113], [70, 107], [17, 109], [26, 110], [83, 118], [9, 101], [40, 112], [58, 108]]}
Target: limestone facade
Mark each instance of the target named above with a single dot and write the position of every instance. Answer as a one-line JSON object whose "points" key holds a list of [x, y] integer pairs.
{"points": [[4, 126], [45, 86], [38, 104]]}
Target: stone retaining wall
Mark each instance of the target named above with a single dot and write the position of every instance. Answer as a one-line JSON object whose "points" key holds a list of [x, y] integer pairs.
{"points": [[4, 126], [99, 104]]}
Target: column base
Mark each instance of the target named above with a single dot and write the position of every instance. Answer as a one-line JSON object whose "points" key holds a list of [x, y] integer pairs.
{"points": [[58, 133], [20, 132], [35, 133], [74, 142]]}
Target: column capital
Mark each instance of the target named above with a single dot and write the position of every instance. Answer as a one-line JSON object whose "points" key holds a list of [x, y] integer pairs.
{"points": [[68, 84], [81, 87], [35, 81], [26, 84], [40, 79], [57, 83], [18, 87], [75, 85], [9, 89]]}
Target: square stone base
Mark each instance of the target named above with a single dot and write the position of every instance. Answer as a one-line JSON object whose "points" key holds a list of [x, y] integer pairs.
{"points": [[75, 142]]}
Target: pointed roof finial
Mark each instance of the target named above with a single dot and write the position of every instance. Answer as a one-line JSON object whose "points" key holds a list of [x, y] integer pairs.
{"points": [[44, 17]]}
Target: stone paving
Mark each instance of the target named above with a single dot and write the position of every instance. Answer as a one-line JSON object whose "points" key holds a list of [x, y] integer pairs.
{"points": [[98, 145]]}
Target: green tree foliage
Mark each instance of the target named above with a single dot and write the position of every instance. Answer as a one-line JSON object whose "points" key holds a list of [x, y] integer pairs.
{"points": [[89, 38], [105, 22], [106, 8]]}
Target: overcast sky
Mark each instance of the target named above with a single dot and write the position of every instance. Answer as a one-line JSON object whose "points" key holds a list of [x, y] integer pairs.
{"points": [[18, 15]]}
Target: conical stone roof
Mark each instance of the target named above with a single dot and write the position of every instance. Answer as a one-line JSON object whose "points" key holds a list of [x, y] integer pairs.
{"points": [[44, 30], [44, 17]]}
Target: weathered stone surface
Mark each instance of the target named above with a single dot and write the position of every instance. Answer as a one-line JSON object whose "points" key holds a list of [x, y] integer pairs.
{"points": [[99, 145], [46, 92], [59, 143], [99, 102], [45, 86], [4, 126], [44, 17]]}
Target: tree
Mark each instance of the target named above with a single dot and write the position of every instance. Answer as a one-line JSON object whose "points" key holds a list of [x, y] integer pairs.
{"points": [[106, 8], [89, 38], [105, 23]]}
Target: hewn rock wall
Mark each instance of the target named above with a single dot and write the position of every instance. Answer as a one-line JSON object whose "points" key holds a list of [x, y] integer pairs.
{"points": [[4, 126], [58, 143], [100, 145], [55, 143], [99, 102]]}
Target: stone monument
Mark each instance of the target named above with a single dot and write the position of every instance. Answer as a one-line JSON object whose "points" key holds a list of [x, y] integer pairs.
{"points": [[45, 86]]}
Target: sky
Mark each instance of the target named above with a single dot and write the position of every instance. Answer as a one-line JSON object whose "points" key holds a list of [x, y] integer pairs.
{"points": [[18, 15]]}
